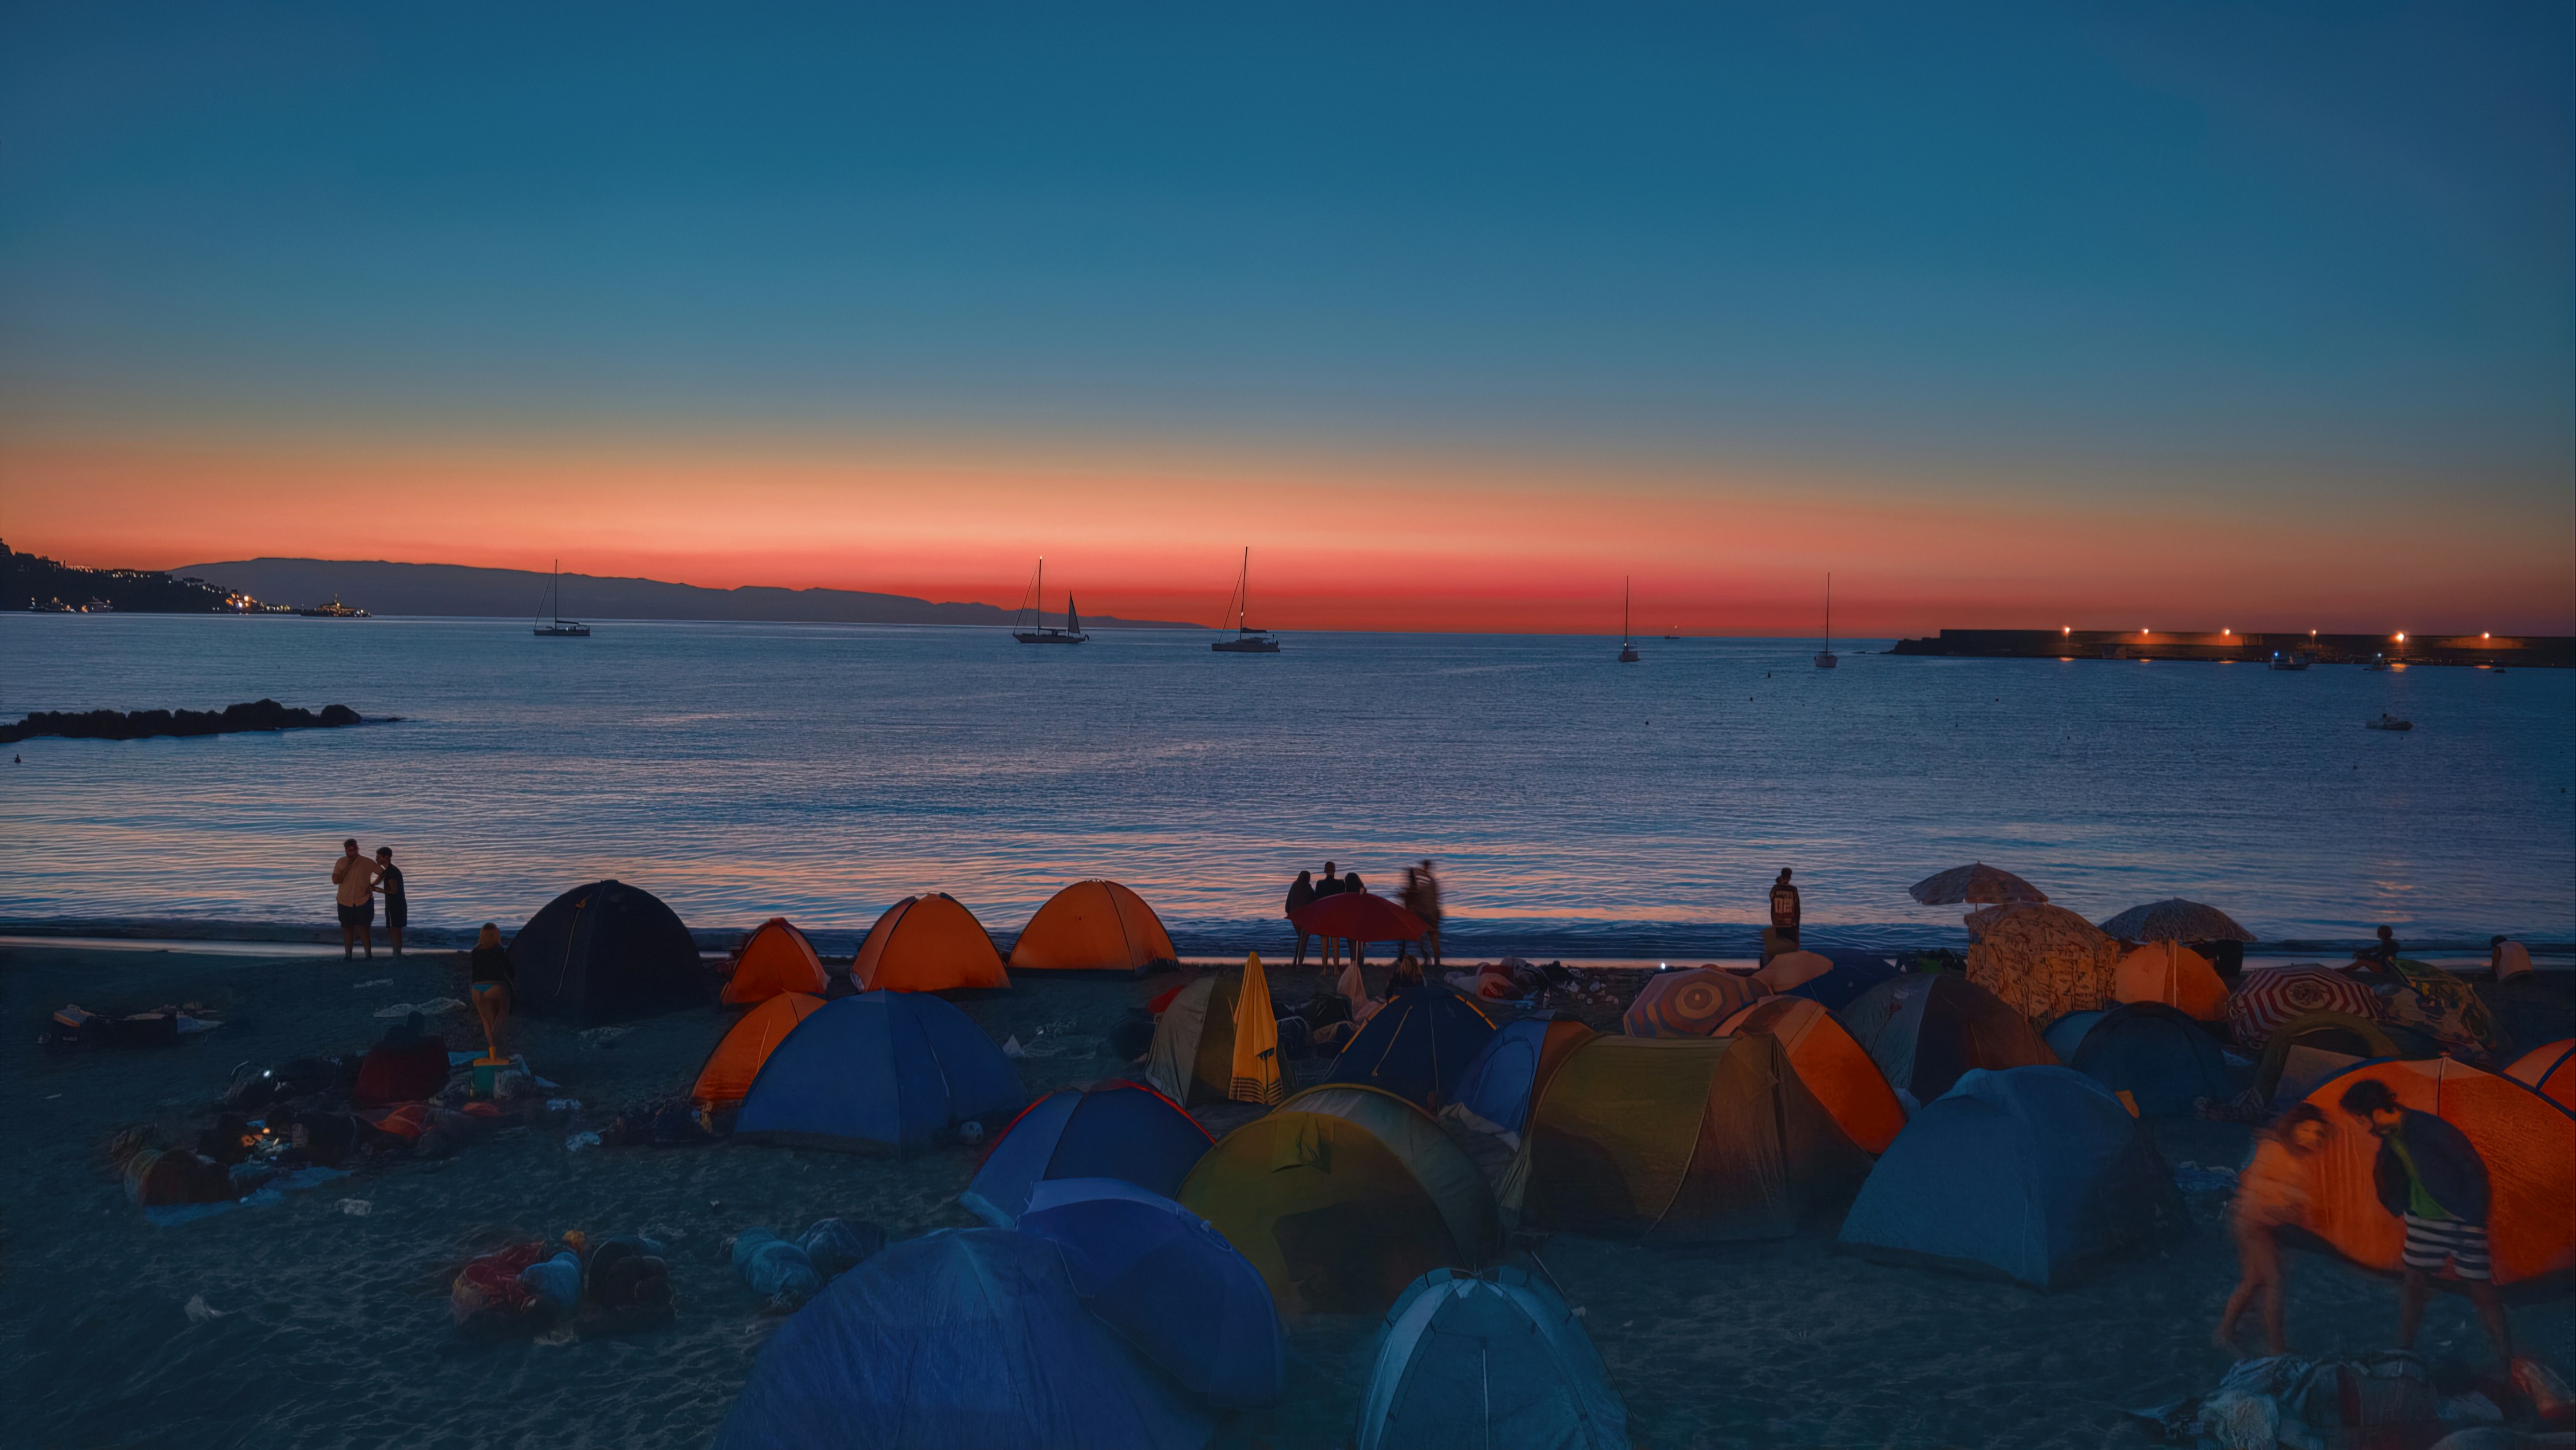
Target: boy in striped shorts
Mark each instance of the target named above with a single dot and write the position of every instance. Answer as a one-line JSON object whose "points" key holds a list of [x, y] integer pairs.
{"points": [[2430, 1177]]}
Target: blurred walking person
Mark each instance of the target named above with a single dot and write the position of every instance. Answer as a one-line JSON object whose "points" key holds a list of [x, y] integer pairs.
{"points": [[1301, 892], [1429, 911], [2431, 1179], [389, 883]]}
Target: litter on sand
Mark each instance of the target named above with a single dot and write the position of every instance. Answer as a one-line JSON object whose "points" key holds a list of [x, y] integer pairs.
{"points": [[431, 1008], [355, 1207], [199, 1311]]}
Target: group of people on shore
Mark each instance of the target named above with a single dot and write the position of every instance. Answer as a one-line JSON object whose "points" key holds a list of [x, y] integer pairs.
{"points": [[1420, 895], [358, 879]]}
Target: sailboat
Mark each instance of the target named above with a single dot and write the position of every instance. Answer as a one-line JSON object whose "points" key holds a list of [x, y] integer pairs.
{"points": [[561, 628], [1031, 627], [1627, 646], [1247, 640], [1825, 657]]}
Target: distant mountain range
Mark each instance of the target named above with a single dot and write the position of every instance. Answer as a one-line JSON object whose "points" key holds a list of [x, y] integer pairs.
{"points": [[387, 588]]}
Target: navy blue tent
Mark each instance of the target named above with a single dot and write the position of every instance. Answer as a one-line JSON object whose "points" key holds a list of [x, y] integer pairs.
{"points": [[2034, 1173], [1854, 972], [1156, 1273], [962, 1340], [1117, 1130], [1416, 1047], [1493, 1095], [882, 1071], [1495, 1361], [2157, 1055], [606, 952], [2067, 1033]]}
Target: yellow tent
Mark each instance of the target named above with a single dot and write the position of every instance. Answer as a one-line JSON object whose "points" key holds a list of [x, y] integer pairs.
{"points": [[1343, 1195]]}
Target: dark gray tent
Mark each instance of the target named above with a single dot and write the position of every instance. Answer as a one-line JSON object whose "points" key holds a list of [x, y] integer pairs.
{"points": [[606, 952]]}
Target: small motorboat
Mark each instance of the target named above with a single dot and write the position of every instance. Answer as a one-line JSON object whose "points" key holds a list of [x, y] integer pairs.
{"points": [[2378, 664], [333, 610], [2388, 722], [2291, 660]]}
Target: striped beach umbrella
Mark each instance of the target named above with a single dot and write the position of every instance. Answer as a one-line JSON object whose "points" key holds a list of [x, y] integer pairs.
{"points": [[2266, 997], [1687, 1004]]}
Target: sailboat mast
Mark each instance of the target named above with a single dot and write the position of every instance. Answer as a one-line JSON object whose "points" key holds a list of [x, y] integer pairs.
{"points": [[1829, 612]]}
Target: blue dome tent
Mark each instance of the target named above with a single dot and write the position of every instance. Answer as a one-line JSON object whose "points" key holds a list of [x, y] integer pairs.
{"points": [[881, 1071], [1493, 1361], [2159, 1056], [1119, 1130], [961, 1340], [1156, 1273], [2036, 1174], [1854, 972], [1494, 1093], [1416, 1047]]}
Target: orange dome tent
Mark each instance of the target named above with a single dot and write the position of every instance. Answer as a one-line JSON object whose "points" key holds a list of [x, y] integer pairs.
{"points": [[927, 944], [1834, 1068], [737, 1059], [2174, 974], [2549, 1071], [1094, 926], [776, 958], [2528, 1142]]}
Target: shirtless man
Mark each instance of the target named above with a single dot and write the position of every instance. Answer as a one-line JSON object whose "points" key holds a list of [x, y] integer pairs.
{"points": [[354, 876]]}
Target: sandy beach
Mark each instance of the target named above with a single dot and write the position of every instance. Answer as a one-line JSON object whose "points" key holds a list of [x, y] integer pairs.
{"points": [[330, 1323]]}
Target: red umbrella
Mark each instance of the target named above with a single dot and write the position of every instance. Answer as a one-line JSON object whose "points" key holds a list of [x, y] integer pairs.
{"points": [[1358, 916]]}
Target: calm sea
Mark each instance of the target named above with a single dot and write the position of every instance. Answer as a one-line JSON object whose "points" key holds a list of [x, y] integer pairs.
{"points": [[1575, 806]]}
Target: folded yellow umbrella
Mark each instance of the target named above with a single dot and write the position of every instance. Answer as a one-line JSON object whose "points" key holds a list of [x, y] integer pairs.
{"points": [[1256, 1041]]}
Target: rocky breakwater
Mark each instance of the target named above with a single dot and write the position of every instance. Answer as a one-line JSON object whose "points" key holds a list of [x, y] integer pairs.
{"points": [[139, 724]]}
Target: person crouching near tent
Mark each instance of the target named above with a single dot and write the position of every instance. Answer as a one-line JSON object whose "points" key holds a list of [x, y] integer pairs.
{"points": [[2430, 1176], [2271, 1194]]}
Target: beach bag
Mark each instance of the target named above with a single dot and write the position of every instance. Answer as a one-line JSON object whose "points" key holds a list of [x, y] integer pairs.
{"points": [[488, 1295], [835, 1245]]}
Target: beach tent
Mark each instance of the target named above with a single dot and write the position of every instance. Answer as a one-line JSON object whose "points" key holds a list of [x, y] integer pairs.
{"points": [[882, 1071], [773, 959], [1417, 1046], [1156, 1273], [1493, 1361], [2159, 1057], [2043, 961], [1923, 1029], [1196, 1046], [2528, 1142], [2266, 997], [1094, 926], [927, 944], [2038, 1174], [1679, 1139], [738, 1058], [959, 1340], [1792, 969], [1833, 1067], [1687, 1003], [1854, 972], [1119, 1130], [1341, 1196], [2067, 1033], [2549, 1071], [1509, 1071], [2173, 974], [2336, 1032], [606, 952]]}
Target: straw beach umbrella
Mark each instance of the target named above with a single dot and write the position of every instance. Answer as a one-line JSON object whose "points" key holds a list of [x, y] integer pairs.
{"points": [[1976, 883], [2175, 920], [1687, 1004], [2045, 961]]}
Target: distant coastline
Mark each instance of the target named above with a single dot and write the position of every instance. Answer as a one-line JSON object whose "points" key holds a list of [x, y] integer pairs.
{"points": [[385, 588], [2521, 651]]}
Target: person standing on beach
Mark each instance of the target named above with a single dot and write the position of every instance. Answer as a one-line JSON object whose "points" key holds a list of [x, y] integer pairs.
{"points": [[1329, 884], [1429, 911], [1301, 892], [2271, 1194], [2429, 1176], [389, 881], [355, 877], [494, 980], [1783, 935], [1359, 952]]}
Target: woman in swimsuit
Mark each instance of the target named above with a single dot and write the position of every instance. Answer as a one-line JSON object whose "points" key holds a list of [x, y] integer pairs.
{"points": [[493, 979]]}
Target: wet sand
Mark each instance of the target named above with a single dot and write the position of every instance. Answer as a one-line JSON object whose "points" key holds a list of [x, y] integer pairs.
{"points": [[334, 1327]]}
